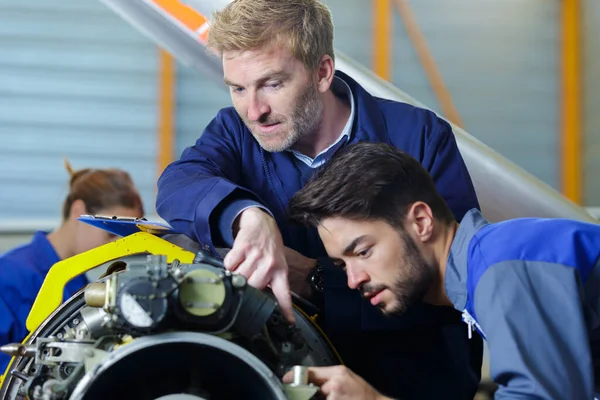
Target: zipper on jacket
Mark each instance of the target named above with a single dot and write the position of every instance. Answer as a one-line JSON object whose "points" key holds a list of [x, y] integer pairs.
{"points": [[472, 324], [266, 168]]}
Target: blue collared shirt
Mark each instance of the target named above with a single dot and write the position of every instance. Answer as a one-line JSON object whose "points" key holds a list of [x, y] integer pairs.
{"points": [[341, 89]]}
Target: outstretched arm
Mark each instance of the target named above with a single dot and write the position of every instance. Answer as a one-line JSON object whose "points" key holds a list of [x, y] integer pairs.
{"points": [[200, 195]]}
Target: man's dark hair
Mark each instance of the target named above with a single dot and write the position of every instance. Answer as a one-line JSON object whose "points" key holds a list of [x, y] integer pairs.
{"points": [[368, 181]]}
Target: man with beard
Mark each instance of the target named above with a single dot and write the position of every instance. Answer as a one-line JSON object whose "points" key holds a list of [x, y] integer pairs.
{"points": [[291, 112], [530, 286]]}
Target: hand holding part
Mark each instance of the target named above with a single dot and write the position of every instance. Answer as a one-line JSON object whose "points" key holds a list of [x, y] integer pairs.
{"points": [[339, 383], [258, 254]]}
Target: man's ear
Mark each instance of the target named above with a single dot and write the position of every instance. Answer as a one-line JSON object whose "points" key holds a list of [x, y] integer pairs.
{"points": [[419, 220], [78, 208], [325, 73]]}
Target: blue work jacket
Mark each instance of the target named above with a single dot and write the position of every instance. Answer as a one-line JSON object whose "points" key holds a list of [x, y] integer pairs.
{"points": [[22, 272], [420, 355], [531, 288]]}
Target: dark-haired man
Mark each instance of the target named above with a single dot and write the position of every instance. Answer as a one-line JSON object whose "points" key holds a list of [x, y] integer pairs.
{"points": [[530, 286]]}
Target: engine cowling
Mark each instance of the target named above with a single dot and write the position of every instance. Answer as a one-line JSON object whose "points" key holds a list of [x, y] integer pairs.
{"points": [[162, 323]]}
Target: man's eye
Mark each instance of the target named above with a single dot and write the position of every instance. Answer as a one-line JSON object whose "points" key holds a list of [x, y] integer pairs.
{"points": [[274, 85], [341, 265], [364, 253]]}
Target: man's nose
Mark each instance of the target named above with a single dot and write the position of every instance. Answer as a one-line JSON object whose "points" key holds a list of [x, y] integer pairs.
{"points": [[257, 108], [355, 277]]}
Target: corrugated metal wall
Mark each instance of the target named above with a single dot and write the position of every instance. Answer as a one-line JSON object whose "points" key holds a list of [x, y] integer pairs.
{"points": [[499, 60], [591, 98], [198, 101], [76, 81]]}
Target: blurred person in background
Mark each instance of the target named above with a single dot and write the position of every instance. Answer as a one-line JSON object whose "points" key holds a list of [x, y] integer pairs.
{"points": [[23, 269]]}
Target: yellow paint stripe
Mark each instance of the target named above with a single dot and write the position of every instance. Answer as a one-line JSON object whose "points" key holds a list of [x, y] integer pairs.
{"points": [[382, 38], [571, 101], [427, 61]]}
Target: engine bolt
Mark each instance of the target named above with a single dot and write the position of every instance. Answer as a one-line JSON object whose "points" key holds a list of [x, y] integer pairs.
{"points": [[238, 281]]}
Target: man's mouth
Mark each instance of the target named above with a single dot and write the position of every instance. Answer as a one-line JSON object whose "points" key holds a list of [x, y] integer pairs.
{"points": [[374, 297], [268, 128]]}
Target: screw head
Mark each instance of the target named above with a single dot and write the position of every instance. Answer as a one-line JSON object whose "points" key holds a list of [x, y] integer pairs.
{"points": [[238, 281]]}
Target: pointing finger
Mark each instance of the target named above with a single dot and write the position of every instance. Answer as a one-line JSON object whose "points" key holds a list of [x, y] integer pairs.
{"points": [[234, 258], [281, 290]]}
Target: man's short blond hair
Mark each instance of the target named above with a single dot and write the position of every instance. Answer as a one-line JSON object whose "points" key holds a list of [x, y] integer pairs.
{"points": [[305, 26]]}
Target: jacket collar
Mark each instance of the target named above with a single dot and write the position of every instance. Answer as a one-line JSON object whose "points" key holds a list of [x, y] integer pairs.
{"points": [[368, 124], [456, 266]]}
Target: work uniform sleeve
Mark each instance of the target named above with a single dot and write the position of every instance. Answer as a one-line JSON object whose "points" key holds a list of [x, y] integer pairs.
{"points": [[446, 166], [18, 290], [200, 190], [7, 330], [532, 316]]}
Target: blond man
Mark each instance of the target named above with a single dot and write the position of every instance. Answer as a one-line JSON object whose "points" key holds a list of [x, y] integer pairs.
{"points": [[292, 110]]}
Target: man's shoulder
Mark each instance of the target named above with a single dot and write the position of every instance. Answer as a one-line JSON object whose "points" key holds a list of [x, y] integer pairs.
{"points": [[410, 127], [406, 113], [543, 242], [535, 239], [497, 243], [398, 106], [391, 110]]}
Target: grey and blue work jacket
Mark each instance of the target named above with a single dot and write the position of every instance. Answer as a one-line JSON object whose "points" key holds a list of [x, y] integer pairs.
{"points": [[531, 288]]}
